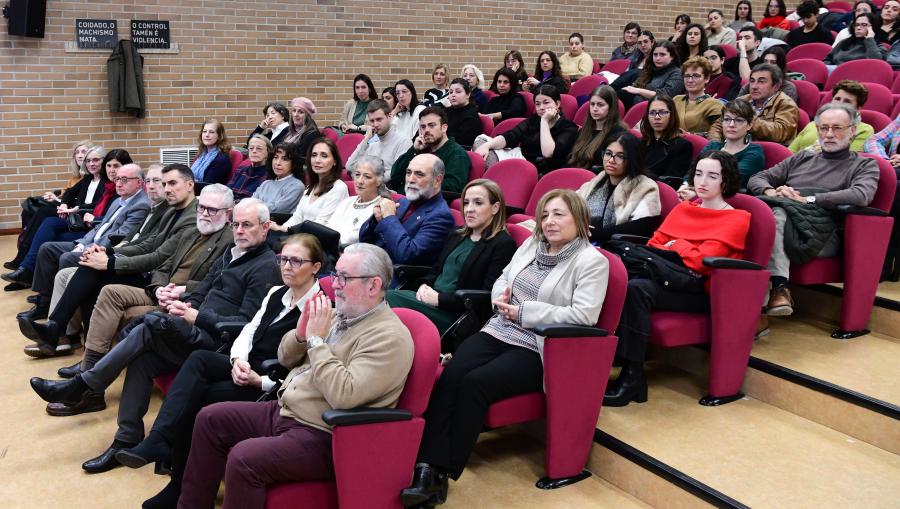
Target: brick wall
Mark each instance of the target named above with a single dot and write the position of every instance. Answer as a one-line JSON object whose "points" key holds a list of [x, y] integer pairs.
{"points": [[236, 56]]}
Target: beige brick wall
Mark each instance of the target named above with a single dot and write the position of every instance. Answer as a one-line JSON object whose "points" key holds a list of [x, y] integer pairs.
{"points": [[235, 56]]}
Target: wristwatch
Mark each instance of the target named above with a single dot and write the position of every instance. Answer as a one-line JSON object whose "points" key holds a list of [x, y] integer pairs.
{"points": [[314, 341], [810, 200]]}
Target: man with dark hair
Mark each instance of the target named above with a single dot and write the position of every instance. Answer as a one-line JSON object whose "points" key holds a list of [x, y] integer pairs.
{"points": [[811, 30], [432, 139], [748, 41], [776, 113], [380, 140]]}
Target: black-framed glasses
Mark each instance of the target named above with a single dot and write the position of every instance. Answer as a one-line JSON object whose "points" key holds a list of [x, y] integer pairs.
{"points": [[124, 180], [734, 120], [341, 279], [291, 261], [614, 156], [658, 113], [203, 209]]}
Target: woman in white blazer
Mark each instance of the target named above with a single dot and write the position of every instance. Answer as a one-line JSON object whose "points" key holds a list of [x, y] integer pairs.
{"points": [[555, 277]]}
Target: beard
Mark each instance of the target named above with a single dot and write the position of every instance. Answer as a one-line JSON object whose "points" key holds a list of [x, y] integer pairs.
{"points": [[207, 228]]}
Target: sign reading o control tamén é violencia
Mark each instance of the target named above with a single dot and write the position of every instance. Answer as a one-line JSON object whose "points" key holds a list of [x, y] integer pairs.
{"points": [[96, 33], [150, 34]]}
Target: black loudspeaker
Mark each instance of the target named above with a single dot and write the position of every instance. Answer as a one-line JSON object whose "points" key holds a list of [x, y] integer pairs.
{"points": [[27, 17]]}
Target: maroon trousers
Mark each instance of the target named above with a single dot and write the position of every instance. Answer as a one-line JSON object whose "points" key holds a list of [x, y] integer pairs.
{"points": [[251, 445]]}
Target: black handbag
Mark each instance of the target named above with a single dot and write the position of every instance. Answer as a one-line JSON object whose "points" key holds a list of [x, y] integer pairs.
{"points": [[662, 266]]}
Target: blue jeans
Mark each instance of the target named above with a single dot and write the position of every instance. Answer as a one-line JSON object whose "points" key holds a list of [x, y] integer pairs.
{"points": [[52, 229]]}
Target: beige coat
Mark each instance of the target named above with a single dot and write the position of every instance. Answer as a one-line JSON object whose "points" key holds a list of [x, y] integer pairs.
{"points": [[633, 198], [778, 120], [572, 293]]}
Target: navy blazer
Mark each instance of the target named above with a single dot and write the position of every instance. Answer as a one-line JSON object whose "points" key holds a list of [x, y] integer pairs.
{"points": [[416, 241]]}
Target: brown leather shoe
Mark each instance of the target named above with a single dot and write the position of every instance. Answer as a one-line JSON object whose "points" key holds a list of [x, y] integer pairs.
{"points": [[780, 302], [92, 401], [63, 348]]}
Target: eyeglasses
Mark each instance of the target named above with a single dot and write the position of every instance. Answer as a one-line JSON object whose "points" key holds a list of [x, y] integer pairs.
{"points": [[291, 261], [246, 225], [658, 113], [734, 120], [153, 181], [95, 160], [836, 129], [614, 156], [341, 279], [693, 77], [124, 180], [211, 211]]}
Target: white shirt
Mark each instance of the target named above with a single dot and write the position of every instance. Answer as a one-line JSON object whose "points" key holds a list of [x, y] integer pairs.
{"points": [[348, 219], [92, 188], [241, 347], [407, 123], [278, 129], [321, 209]]}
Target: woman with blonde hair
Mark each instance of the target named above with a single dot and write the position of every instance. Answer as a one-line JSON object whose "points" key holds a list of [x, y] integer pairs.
{"points": [[475, 78]]}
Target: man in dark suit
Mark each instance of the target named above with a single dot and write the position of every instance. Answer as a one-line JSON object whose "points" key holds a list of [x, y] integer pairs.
{"points": [[414, 231]]}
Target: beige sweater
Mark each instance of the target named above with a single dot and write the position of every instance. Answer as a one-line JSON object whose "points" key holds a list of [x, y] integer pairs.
{"points": [[367, 367]]}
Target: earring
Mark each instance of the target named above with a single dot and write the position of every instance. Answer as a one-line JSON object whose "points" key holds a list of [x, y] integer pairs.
{"points": [[747, 138]]}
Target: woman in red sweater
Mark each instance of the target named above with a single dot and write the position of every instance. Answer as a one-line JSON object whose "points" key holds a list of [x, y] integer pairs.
{"points": [[691, 232], [776, 16]]}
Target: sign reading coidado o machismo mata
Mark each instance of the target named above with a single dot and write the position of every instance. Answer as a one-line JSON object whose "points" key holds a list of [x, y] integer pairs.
{"points": [[96, 33], [150, 34]]}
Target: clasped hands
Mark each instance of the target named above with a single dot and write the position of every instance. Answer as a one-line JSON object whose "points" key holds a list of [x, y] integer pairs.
{"points": [[315, 320], [504, 308], [786, 192]]}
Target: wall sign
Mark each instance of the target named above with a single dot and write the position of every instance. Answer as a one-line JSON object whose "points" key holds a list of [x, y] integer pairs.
{"points": [[150, 34], [96, 33]]}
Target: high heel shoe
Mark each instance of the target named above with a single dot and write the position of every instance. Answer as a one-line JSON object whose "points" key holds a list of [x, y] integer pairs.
{"points": [[630, 386]]}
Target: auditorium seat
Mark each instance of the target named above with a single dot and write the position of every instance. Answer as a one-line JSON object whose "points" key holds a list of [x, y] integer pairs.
{"points": [[516, 177], [562, 178], [813, 50], [582, 88], [487, 124], [506, 125], [617, 66], [773, 152], [346, 144], [814, 71], [634, 115], [876, 119], [876, 71], [807, 97], [529, 102], [569, 105]]}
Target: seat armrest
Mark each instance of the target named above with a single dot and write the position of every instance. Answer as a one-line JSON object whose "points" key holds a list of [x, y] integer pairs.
{"points": [[475, 300], [565, 330], [279, 217], [407, 274], [722, 262], [274, 370], [232, 329], [365, 416], [636, 239], [860, 211]]}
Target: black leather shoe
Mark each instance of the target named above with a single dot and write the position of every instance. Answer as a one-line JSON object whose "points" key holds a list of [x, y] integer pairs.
{"points": [[106, 461], [60, 391], [15, 287], [37, 312], [33, 299], [47, 335], [630, 386], [92, 401], [151, 449], [69, 371], [21, 275], [429, 488], [11, 265], [165, 499]]}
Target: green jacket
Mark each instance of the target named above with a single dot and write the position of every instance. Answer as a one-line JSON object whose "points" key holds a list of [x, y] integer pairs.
{"points": [[214, 245], [456, 163], [149, 252]]}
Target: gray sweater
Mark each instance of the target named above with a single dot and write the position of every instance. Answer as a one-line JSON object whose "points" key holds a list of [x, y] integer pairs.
{"points": [[854, 49], [280, 195], [849, 178]]}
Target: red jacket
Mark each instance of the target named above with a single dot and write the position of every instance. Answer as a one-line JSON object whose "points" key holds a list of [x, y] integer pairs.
{"points": [[109, 194], [774, 21], [700, 232]]}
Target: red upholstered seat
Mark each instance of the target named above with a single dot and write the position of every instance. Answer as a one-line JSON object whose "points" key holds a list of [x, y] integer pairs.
{"points": [[347, 144], [374, 462], [802, 119], [477, 169], [569, 105], [634, 115], [617, 66], [562, 178], [519, 233], [773, 152], [807, 96], [487, 124], [876, 119], [697, 142], [813, 50], [813, 69], [330, 133], [585, 86], [529, 102], [875, 71], [506, 125]]}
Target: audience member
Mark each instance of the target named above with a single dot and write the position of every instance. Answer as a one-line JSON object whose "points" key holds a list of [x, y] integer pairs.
{"points": [[405, 115], [691, 232], [622, 199], [325, 190], [472, 258], [211, 377], [354, 115], [576, 63], [860, 45], [282, 190], [440, 77], [666, 154], [547, 72], [356, 355], [353, 211], [842, 25], [629, 42], [475, 78], [661, 76], [463, 122], [556, 276], [601, 125], [232, 291], [776, 113], [641, 55], [692, 42], [736, 119], [303, 129], [412, 232], [722, 85], [890, 27], [826, 179], [886, 143], [849, 92], [821, 10], [776, 56], [389, 95], [248, 178], [213, 163], [743, 16], [776, 16], [681, 22], [380, 140], [274, 125], [748, 42], [716, 30], [508, 103], [514, 61], [811, 30], [433, 139], [698, 113], [547, 135]]}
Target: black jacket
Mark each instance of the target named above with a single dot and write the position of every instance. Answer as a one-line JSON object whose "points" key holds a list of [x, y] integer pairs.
{"points": [[482, 267], [511, 105], [668, 158], [528, 134], [463, 124], [233, 292]]}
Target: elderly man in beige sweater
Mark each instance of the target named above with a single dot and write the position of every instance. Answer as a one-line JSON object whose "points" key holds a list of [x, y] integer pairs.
{"points": [[358, 356]]}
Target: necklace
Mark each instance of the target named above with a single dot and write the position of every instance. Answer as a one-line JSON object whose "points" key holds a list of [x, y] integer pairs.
{"points": [[361, 205]]}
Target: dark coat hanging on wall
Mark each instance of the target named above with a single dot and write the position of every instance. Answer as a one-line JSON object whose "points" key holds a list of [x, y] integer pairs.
{"points": [[125, 69]]}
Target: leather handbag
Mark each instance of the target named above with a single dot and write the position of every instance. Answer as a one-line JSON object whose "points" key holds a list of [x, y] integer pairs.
{"points": [[662, 266]]}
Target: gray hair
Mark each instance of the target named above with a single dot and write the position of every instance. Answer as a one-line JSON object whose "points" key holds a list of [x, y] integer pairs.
{"points": [[377, 165], [773, 70], [265, 140], [852, 113], [477, 71], [220, 190], [438, 168], [140, 171], [100, 152], [155, 166], [262, 210], [374, 261]]}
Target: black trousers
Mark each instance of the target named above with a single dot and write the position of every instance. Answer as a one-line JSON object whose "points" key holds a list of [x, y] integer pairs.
{"points": [[84, 288], [30, 223], [644, 296], [483, 370], [204, 379]]}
